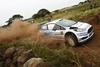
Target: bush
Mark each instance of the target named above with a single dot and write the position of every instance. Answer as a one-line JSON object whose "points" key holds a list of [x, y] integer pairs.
{"points": [[61, 57]]}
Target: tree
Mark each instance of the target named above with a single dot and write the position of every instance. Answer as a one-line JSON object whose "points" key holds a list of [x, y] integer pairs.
{"points": [[36, 16], [17, 16], [9, 21], [43, 12], [81, 3], [56, 11]]}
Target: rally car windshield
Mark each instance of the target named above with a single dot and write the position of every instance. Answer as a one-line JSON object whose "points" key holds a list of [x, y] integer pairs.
{"points": [[66, 23]]}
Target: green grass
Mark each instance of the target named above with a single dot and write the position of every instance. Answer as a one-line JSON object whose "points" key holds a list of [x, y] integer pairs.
{"points": [[60, 57], [78, 12]]}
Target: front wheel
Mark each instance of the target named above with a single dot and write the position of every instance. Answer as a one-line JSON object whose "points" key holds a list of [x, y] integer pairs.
{"points": [[71, 40]]}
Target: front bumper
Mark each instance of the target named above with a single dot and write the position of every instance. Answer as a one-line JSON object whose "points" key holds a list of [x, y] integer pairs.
{"points": [[85, 38]]}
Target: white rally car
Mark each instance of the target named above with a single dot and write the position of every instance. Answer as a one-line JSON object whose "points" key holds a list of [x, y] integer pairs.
{"points": [[70, 31]]}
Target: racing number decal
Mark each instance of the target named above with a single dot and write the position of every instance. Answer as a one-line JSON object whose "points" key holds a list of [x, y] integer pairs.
{"points": [[59, 33]]}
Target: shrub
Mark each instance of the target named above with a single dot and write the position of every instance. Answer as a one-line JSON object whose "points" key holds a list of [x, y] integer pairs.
{"points": [[61, 57]]}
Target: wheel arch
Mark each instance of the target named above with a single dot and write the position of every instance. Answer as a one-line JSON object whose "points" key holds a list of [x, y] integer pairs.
{"points": [[70, 33]]}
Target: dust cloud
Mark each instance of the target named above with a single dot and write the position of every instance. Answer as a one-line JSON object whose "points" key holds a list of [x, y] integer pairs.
{"points": [[20, 30]]}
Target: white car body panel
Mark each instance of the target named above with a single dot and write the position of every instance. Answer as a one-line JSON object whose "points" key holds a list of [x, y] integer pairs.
{"points": [[81, 36]]}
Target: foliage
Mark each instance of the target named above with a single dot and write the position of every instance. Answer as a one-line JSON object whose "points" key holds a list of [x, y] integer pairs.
{"points": [[9, 21], [36, 16], [17, 16], [56, 11], [84, 15], [61, 57], [73, 12], [41, 13]]}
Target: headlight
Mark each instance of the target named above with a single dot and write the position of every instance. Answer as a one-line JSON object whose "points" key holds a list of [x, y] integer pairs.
{"points": [[82, 34], [80, 30]]}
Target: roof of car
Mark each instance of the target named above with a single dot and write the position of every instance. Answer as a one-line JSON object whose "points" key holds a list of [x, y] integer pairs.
{"points": [[55, 21]]}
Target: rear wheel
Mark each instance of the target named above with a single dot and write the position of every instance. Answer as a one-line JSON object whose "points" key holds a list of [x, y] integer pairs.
{"points": [[71, 40]]}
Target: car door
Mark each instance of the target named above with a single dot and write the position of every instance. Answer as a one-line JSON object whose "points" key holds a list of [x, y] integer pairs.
{"points": [[44, 29], [56, 31]]}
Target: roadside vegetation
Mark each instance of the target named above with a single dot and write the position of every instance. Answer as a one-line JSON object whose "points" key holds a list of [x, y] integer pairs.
{"points": [[63, 56], [78, 12]]}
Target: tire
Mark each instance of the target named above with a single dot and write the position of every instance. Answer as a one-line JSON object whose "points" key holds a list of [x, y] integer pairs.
{"points": [[71, 40]]}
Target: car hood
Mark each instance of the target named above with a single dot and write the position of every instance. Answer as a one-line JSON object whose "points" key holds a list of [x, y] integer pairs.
{"points": [[81, 25]]}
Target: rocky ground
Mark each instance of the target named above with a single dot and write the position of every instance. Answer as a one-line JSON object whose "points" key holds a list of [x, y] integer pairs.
{"points": [[20, 57]]}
